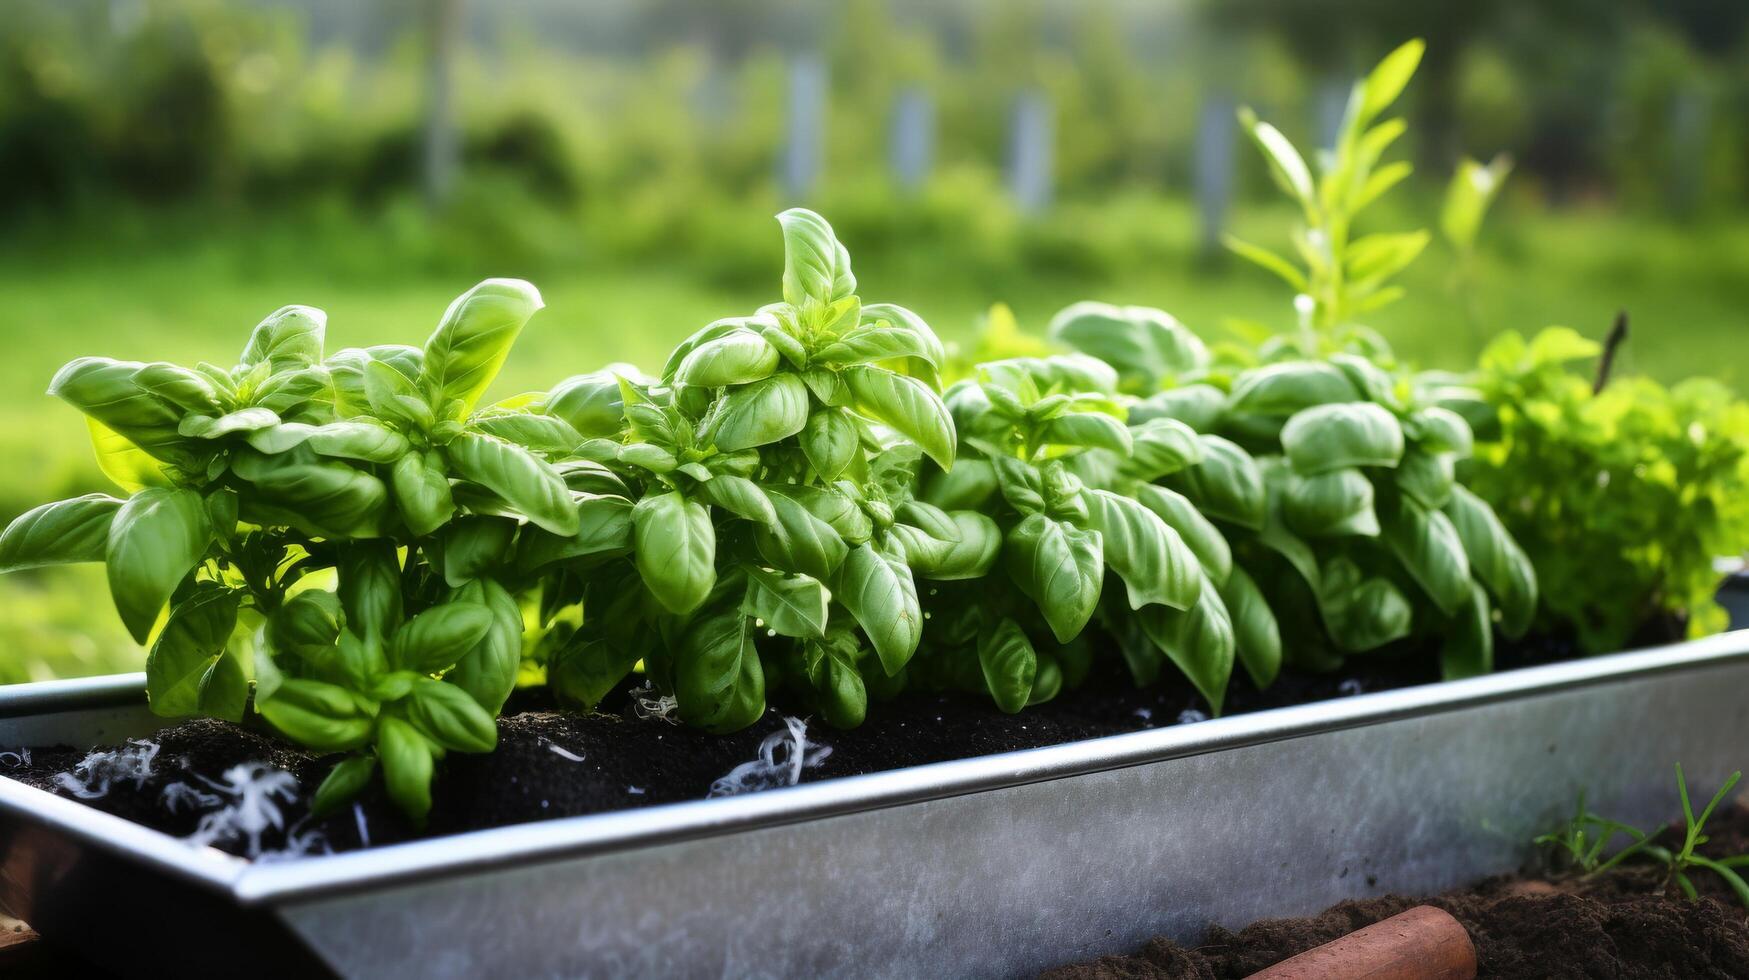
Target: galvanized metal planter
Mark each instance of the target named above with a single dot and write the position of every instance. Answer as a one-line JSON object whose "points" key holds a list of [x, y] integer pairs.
{"points": [[992, 866]]}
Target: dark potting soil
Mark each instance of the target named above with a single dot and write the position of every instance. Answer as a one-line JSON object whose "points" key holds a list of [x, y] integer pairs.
{"points": [[1623, 925], [552, 764]]}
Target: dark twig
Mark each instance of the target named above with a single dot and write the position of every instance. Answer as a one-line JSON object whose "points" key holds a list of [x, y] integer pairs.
{"points": [[1617, 334]]}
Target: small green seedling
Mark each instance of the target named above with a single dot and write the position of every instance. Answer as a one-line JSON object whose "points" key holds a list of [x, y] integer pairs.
{"points": [[1583, 839]]}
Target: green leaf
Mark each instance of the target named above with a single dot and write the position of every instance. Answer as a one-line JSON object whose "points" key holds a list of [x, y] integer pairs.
{"points": [[1161, 446], [878, 591], [1059, 567], [586, 670], [815, 266], [1091, 430], [1361, 613], [760, 413], [1375, 258], [590, 403], [1425, 477], [350, 439], [790, 605], [1256, 634], [1290, 386], [448, 716], [676, 548], [1496, 559], [290, 338], [1226, 485], [245, 420], [736, 358], [1009, 664], [182, 661], [422, 492], [1199, 406], [1286, 166], [1145, 346], [970, 554], [407, 765], [1199, 641], [969, 485], [1337, 503], [874, 343], [190, 391], [63, 532], [393, 397], [1151, 558], [799, 541], [1428, 546], [157, 537], [906, 405], [840, 692], [1206, 542], [488, 671], [1329, 437], [127, 465], [739, 496], [1472, 189], [604, 528], [345, 782], [105, 390], [474, 546], [1264, 258], [718, 679], [830, 441], [1468, 648], [1387, 81], [370, 587], [1440, 430], [438, 637], [525, 481], [320, 497], [472, 340], [889, 316], [322, 716]]}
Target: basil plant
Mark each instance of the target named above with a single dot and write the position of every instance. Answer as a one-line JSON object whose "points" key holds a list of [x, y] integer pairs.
{"points": [[315, 539]]}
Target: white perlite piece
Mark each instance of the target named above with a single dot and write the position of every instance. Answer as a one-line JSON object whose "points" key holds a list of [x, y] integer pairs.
{"points": [[647, 704], [252, 793], [91, 778], [562, 752], [15, 759], [770, 771]]}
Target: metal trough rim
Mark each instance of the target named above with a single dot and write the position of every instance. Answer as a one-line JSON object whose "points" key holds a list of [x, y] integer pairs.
{"points": [[394, 864]]}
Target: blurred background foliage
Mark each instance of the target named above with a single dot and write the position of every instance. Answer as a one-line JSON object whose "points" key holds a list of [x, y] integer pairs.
{"points": [[172, 170]]}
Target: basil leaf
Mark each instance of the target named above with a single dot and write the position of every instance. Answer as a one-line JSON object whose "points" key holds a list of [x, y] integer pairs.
{"points": [[969, 554], [1226, 485], [1022, 485], [718, 679], [422, 493], [322, 716], [345, 782], [1199, 641], [815, 266], [873, 343], [157, 537], [604, 528], [1200, 406], [188, 390], [836, 508], [1495, 558], [541, 433], [1206, 542], [1468, 648], [182, 660], [407, 765], [739, 496], [474, 546], [1428, 546], [700, 337], [799, 541], [290, 338], [969, 485], [127, 465], [1335, 503], [472, 340], [64, 532], [1257, 636], [789, 605], [586, 670], [447, 716], [370, 587], [1372, 381], [346, 372], [1426, 477], [351, 439], [591, 404], [104, 389], [1153, 561], [676, 548], [760, 413], [1009, 664], [878, 591], [245, 420], [830, 441], [1161, 446], [1091, 430], [840, 693], [1289, 387], [1330, 437], [488, 671], [1059, 567], [906, 405], [395, 398], [1361, 613], [1145, 345], [525, 481], [736, 358], [893, 317], [1440, 430], [322, 498], [438, 637]]}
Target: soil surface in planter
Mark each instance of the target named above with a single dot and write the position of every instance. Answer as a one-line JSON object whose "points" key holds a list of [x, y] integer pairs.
{"points": [[552, 764], [1625, 924]]}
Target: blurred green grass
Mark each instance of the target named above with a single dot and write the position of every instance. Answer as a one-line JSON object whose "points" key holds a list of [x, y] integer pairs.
{"points": [[195, 294]]}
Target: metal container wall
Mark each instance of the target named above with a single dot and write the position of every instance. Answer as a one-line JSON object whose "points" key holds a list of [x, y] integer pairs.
{"points": [[993, 866]]}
